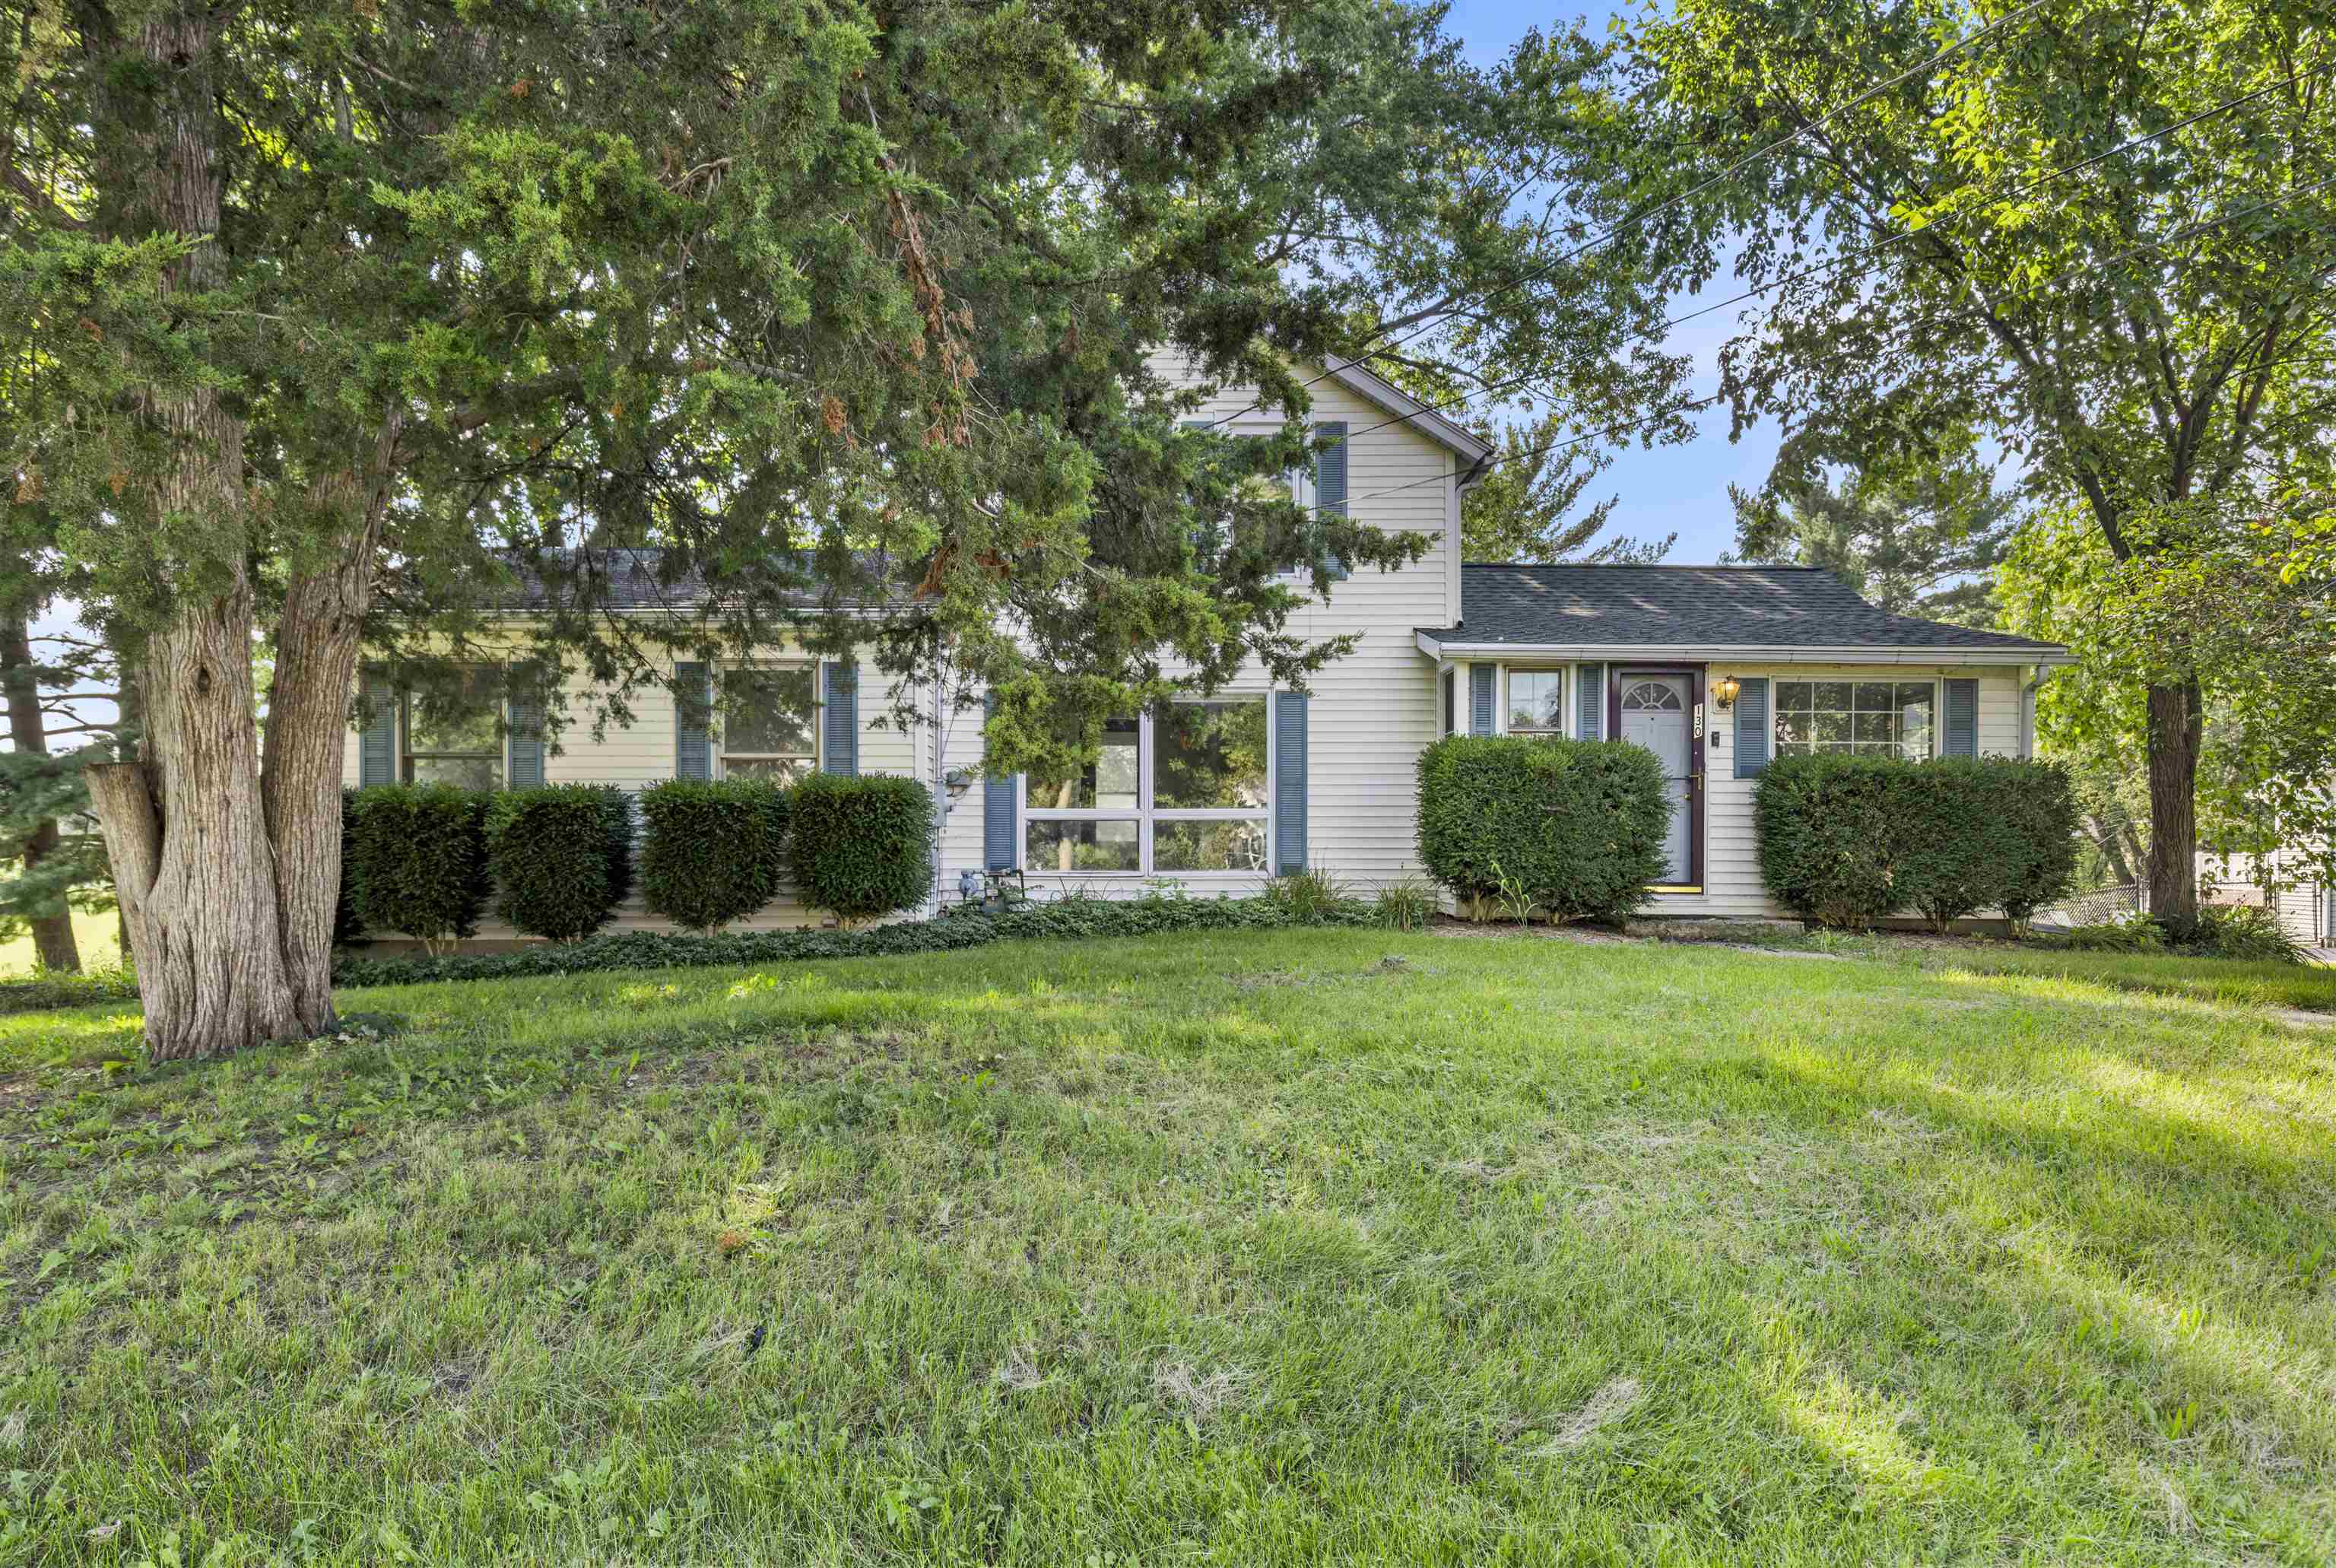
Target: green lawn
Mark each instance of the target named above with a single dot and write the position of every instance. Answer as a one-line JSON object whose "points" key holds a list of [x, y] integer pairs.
{"points": [[1309, 1247]]}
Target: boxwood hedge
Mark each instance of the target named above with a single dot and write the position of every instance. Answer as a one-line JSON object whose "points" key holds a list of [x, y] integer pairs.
{"points": [[1578, 825], [862, 847], [562, 857], [416, 862], [1847, 840], [713, 851]]}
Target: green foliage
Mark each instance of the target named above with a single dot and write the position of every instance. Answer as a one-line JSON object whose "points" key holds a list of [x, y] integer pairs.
{"points": [[417, 860], [1065, 918], [1923, 538], [1308, 894], [1524, 509], [1576, 827], [41, 991], [562, 857], [2042, 835], [1846, 840], [2248, 932], [2138, 935], [862, 847], [1406, 903], [711, 850], [347, 928]]}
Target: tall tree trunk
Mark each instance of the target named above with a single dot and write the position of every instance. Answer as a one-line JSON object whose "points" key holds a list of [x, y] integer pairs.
{"points": [[2176, 729], [28, 732], [185, 827], [308, 726]]}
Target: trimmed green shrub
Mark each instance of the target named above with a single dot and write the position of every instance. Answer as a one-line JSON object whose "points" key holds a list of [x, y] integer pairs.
{"points": [[347, 927], [1827, 845], [1577, 826], [417, 860], [562, 857], [2038, 808], [1955, 842], [713, 851], [48, 989], [1846, 840], [862, 847], [1067, 918]]}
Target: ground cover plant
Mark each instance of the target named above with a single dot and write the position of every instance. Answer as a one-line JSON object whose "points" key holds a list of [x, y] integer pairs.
{"points": [[1250, 1246]]}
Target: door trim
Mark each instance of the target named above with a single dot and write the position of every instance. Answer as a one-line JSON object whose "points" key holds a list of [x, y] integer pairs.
{"points": [[1698, 740]]}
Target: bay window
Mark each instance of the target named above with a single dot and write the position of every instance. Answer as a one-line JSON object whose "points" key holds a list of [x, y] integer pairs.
{"points": [[1868, 717], [1183, 790]]}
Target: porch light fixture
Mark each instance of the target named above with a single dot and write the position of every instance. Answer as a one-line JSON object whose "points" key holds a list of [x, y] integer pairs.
{"points": [[1724, 690], [959, 781]]}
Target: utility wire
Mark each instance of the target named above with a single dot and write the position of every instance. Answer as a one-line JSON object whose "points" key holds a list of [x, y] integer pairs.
{"points": [[1538, 273]]}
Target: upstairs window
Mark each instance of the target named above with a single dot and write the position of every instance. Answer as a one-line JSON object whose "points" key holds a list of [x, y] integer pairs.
{"points": [[769, 728], [452, 733]]}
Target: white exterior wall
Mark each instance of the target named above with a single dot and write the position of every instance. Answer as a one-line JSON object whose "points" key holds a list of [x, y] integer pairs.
{"points": [[642, 753], [2300, 901], [1371, 712]]}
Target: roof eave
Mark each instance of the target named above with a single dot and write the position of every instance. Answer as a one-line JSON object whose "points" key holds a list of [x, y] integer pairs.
{"points": [[1439, 648], [1373, 387]]}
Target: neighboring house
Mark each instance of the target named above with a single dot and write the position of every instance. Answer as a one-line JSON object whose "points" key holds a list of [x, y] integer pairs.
{"points": [[1714, 668], [2298, 894]]}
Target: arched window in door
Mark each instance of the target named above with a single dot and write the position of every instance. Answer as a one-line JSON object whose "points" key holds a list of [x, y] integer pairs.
{"points": [[1651, 696]]}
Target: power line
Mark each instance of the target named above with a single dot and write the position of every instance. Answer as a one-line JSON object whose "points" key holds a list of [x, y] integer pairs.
{"points": [[1830, 262], [1684, 406], [1538, 273]]}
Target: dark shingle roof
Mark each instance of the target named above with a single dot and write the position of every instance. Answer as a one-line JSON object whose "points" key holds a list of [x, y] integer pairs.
{"points": [[1690, 606], [629, 578]]}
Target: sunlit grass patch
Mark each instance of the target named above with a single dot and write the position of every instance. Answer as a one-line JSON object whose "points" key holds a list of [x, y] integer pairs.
{"points": [[1243, 1248]]}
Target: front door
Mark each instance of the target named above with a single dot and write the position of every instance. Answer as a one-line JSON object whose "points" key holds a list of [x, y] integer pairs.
{"points": [[1658, 713]]}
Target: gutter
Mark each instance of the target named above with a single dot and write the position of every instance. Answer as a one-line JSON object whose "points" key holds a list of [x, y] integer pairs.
{"points": [[2047, 658]]}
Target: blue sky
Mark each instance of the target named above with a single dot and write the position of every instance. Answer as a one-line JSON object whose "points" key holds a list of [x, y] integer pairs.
{"points": [[1681, 489]]}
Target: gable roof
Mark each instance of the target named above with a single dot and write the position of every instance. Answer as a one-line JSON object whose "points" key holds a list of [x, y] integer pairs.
{"points": [[1376, 389], [1788, 611]]}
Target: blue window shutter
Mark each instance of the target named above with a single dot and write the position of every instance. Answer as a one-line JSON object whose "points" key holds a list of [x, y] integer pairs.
{"points": [[1961, 730], [693, 753], [1330, 482], [1752, 733], [999, 837], [377, 740], [1480, 698], [1288, 782], [839, 740], [523, 717], [1590, 701]]}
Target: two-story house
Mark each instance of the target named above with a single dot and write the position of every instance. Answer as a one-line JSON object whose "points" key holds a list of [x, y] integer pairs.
{"points": [[1715, 669]]}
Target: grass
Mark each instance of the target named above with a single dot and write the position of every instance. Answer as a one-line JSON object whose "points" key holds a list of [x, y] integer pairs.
{"points": [[99, 936], [1297, 1247]]}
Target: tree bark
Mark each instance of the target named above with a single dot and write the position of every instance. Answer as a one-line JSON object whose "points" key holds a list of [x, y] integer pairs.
{"points": [[185, 828], [307, 724], [2176, 729], [53, 935]]}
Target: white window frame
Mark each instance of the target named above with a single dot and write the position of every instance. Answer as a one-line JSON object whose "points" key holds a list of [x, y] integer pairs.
{"points": [[721, 744], [1777, 707], [406, 755], [1145, 814], [1567, 679]]}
